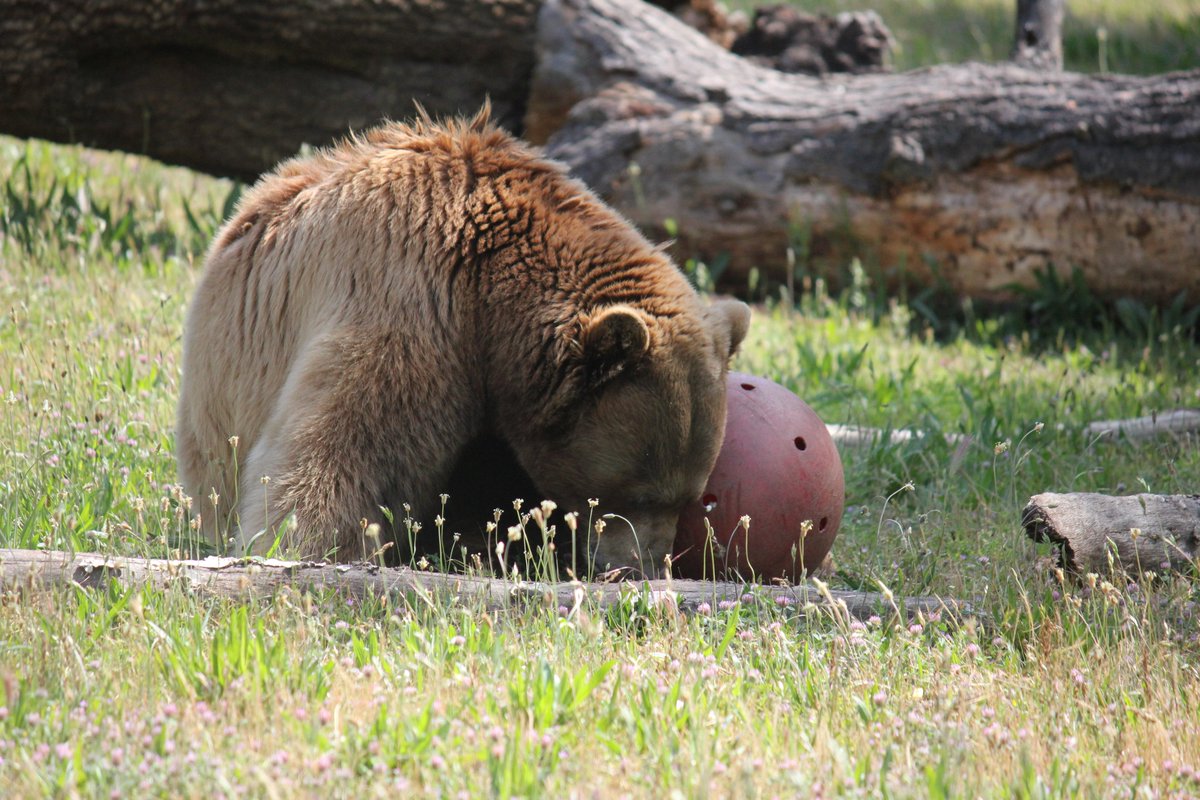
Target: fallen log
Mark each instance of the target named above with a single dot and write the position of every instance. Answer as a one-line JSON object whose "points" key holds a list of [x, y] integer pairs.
{"points": [[1177, 423], [1180, 422], [974, 176], [241, 578], [233, 88], [1136, 533], [866, 436], [971, 176]]}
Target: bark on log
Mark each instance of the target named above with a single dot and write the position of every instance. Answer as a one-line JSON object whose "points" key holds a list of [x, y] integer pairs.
{"points": [[1096, 532], [245, 578], [231, 87], [975, 175]]}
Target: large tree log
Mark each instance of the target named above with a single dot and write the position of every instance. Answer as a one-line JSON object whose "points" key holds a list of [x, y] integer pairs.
{"points": [[1096, 532], [974, 174], [233, 86], [244, 578]]}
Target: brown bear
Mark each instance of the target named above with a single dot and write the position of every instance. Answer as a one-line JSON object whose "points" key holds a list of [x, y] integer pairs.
{"points": [[372, 309]]}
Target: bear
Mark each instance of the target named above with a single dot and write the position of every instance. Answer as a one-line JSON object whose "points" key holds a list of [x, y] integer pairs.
{"points": [[371, 309]]}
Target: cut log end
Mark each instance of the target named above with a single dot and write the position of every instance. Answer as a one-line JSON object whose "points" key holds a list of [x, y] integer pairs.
{"points": [[1039, 527], [1101, 534]]}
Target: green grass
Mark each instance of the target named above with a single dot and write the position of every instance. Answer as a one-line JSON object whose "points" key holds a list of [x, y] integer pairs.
{"points": [[1072, 692], [1098, 35]]}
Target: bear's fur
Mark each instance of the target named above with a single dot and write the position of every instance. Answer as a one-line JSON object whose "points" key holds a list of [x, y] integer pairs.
{"points": [[370, 310]]}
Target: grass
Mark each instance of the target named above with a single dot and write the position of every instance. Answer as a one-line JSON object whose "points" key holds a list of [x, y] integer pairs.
{"points": [[1072, 692], [1098, 35]]}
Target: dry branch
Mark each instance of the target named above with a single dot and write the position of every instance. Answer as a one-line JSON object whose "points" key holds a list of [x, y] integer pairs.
{"points": [[244, 579], [1097, 532]]}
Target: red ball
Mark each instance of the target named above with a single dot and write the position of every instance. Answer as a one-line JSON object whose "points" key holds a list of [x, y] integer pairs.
{"points": [[779, 466]]}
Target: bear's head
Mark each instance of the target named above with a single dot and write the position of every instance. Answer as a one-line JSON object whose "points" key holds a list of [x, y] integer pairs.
{"points": [[644, 425]]}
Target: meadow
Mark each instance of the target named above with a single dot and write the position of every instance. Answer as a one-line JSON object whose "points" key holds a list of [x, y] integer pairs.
{"points": [[1064, 689]]}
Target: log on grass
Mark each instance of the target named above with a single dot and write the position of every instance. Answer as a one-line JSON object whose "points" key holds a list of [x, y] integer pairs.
{"points": [[231, 88], [973, 176], [867, 436], [1180, 423], [1136, 533], [247, 578]]}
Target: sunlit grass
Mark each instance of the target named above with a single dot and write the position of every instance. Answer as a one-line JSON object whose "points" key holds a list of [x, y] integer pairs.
{"points": [[1067, 691], [1098, 35]]}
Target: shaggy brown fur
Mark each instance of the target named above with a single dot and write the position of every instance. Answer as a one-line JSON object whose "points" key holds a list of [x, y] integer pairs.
{"points": [[371, 309]]}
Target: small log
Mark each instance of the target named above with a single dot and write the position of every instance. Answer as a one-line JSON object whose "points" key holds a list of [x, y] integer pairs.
{"points": [[242, 578], [1179, 423], [1098, 532], [866, 436]]}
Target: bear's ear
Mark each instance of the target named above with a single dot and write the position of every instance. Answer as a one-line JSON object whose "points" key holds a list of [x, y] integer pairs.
{"points": [[733, 317], [612, 340]]}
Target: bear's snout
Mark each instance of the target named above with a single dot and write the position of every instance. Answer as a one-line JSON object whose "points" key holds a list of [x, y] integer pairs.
{"points": [[641, 541]]}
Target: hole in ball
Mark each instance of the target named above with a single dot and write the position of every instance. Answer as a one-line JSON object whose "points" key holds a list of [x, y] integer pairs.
{"points": [[709, 501], [749, 387], [823, 524], [800, 443]]}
